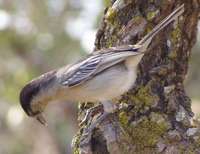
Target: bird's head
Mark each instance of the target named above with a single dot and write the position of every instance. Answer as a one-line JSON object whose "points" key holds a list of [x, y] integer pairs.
{"points": [[34, 95]]}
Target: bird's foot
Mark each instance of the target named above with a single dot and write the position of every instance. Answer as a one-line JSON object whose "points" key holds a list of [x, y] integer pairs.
{"points": [[90, 113], [98, 121], [85, 141], [87, 133]]}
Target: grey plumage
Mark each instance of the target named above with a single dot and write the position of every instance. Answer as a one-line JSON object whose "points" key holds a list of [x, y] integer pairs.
{"points": [[96, 63]]}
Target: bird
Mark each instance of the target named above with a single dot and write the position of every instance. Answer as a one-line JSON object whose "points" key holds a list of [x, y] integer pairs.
{"points": [[100, 77]]}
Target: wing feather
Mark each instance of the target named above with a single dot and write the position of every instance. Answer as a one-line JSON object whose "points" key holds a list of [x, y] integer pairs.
{"points": [[94, 64], [83, 72]]}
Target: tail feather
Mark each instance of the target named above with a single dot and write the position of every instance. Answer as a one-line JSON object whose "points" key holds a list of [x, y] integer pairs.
{"points": [[173, 16]]}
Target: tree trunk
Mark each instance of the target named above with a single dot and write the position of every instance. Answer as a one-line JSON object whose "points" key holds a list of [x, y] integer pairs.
{"points": [[155, 115]]}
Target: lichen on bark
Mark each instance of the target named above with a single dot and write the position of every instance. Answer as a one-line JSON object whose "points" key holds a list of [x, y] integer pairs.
{"points": [[157, 114]]}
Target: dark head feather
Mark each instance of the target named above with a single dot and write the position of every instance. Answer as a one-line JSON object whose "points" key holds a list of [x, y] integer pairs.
{"points": [[32, 89]]}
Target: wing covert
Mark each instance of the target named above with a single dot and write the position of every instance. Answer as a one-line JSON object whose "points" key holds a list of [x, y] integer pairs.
{"points": [[97, 62], [83, 72]]}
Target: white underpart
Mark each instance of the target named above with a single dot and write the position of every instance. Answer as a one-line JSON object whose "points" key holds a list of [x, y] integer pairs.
{"points": [[105, 86]]}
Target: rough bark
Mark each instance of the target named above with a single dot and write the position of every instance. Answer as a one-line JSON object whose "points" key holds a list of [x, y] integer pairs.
{"points": [[156, 113]]}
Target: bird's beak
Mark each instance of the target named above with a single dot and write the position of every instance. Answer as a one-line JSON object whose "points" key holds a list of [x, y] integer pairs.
{"points": [[41, 119]]}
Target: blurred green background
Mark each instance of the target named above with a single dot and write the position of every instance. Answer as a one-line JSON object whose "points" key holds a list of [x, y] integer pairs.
{"points": [[37, 36]]}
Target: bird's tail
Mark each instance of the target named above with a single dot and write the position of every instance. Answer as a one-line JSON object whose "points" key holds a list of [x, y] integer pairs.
{"points": [[146, 40]]}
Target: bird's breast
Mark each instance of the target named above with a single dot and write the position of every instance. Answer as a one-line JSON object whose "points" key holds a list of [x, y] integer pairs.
{"points": [[107, 85]]}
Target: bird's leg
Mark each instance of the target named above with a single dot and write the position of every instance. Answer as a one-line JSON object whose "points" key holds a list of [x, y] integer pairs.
{"points": [[90, 112], [109, 108], [87, 134]]}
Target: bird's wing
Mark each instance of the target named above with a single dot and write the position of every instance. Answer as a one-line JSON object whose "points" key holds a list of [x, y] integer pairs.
{"points": [[95, 63]]}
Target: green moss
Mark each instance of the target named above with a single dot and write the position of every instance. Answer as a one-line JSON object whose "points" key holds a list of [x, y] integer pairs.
{"points": [[111, 15], [111, 40], [163, 71], [151, 15], [172, 55], [176, 35], [160, 119], [123, 118], [148, 29], [145, 96], [75, 143], [107, 3], [114, 22], [147, 133], [137, 20]]}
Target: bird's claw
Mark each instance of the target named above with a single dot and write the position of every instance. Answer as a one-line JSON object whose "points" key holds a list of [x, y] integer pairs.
{"points": [[87, 133], [90, 112]]}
